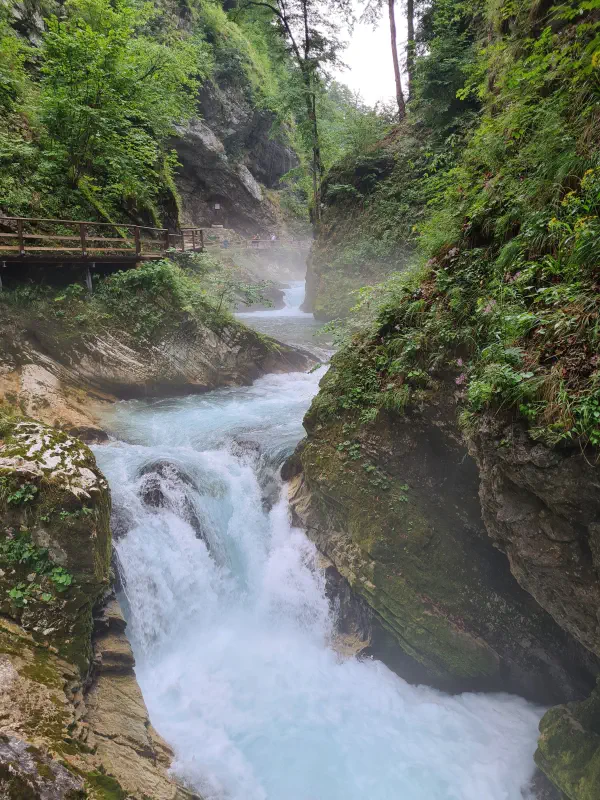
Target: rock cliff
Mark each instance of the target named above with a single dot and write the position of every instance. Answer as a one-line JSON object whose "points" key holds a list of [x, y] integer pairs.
{"points": [[228, 157], [394, 505], [475, 550], [74, 723]]}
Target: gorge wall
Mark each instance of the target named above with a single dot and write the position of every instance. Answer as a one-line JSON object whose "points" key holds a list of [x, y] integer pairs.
{"points": [[450, 470], [476, 553], [74, 723]]}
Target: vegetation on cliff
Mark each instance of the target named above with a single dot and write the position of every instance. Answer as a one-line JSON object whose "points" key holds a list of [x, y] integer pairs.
{"points": [[491, 192], [148, 302], [92, 94]]}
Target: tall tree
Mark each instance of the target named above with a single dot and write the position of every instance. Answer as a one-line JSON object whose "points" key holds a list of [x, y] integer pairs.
{"points": [[397, 76], [410, 45], [309, 28], [372, 14]]}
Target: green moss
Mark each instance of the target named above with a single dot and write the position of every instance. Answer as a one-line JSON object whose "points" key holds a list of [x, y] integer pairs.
{"points": [[103, 786], [42, 670], [569, 748], [402, 561]]}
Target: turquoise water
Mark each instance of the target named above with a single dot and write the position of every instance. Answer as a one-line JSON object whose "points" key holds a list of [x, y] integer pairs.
{"points": [[232, 630]]}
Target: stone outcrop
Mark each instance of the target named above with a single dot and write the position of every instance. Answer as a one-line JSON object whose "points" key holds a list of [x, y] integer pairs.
{"points": [[73, 722], [569, 748], [541, 506], [476, 553], [227, 156], [57, 379], [394, 505]]}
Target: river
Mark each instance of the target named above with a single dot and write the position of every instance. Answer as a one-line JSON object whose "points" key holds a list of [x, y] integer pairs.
{"points": [[231, 628]]}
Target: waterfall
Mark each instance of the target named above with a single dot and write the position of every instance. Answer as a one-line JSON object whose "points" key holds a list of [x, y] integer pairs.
{"points": [[232, 630]]}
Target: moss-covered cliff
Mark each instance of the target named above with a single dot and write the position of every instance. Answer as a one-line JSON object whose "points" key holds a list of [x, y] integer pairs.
{"points": [[73, 723], [392, 499]]}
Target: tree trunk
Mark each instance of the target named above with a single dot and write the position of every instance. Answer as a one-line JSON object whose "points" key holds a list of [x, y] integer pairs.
{"points": [[410, 46], [399, 95], [317, 166]]}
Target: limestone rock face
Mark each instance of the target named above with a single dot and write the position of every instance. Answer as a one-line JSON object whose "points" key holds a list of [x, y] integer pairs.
{"points": [[542, 507], [28, 772], [57, 380], [55, 548], [227, 156], [394, 505], [72, 719]]}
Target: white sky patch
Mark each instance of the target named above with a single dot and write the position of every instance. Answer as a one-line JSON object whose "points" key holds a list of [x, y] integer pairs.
{"points": [[369, 56]]}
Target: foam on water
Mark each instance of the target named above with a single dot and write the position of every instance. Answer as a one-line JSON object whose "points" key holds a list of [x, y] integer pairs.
{"points": [[231, 627]]}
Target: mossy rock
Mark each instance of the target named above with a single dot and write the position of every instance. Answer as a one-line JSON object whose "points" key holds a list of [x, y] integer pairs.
{"points": [[569, 748], [393, 503], [55, 544]]}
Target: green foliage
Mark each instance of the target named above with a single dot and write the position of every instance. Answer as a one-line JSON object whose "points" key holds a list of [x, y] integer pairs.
{"points": [[19, 550], [504, 207], [109, 99], [24, 493], [148, 302]]}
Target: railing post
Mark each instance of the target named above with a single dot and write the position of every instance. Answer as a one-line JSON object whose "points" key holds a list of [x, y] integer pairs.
{"points": [[193, 240], [201, 240], [138, 243], [88, 278], [82, 237], [166, 239], [20, 235]]}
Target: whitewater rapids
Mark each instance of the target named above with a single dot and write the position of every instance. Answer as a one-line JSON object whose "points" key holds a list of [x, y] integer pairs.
{"points": [[231, 627]]}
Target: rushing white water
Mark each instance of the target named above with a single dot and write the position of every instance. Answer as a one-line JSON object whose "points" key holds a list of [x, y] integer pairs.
{"points": [[231, 627]]}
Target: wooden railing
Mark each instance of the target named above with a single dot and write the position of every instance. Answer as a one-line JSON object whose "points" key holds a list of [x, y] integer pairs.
{"points": [[27, 238]]}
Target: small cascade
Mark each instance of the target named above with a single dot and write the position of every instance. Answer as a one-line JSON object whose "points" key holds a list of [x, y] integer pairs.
{"points": [[232, 630]]}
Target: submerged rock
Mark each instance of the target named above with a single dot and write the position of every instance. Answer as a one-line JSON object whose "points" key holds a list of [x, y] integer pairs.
{"points": [[166, 485]]}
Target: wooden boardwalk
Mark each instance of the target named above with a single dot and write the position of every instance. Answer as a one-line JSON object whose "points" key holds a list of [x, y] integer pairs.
{"points": [[29, 240]]}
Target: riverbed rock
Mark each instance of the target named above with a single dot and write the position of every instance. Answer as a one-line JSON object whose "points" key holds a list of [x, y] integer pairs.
{"points": [[73, 718], [166, 485], [394, 504], [569, 747], [65, 379]]}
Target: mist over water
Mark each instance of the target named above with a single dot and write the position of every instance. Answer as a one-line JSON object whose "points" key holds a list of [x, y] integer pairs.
{"points": [[291, 325], [231, 627]]}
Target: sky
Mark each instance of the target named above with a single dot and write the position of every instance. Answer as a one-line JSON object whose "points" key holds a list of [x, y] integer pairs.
{"points": [[369, 57]]}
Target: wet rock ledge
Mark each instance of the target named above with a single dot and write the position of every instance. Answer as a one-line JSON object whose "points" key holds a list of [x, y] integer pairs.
{"points": [[73, 722]]}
